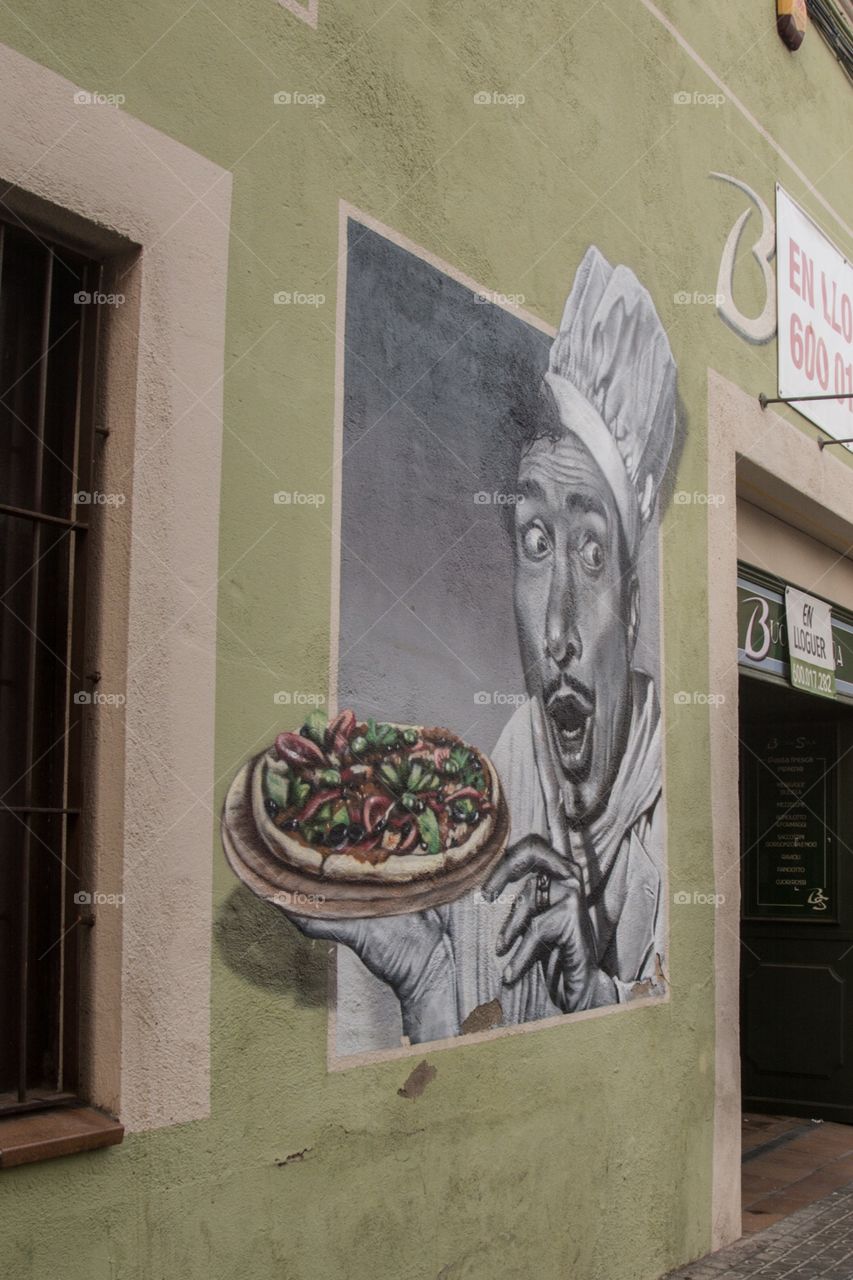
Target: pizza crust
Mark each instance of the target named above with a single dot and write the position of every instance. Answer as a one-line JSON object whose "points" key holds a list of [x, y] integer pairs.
{"points": [[396, 868]]}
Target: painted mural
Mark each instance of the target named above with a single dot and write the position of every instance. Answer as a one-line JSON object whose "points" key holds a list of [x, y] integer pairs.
{"points": [[480, 825]]}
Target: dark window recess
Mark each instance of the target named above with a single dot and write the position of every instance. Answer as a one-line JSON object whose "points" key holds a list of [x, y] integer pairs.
{"points": [[48, 351]]}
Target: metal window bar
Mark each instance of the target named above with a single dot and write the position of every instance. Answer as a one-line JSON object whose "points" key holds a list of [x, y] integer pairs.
{"points": [[44, 1034], [32, 676]]}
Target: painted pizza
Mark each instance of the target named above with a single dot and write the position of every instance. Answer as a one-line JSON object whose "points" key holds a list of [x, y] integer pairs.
{"points": [[359, 801]]}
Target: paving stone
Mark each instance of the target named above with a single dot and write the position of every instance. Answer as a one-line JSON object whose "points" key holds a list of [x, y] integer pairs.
{"points": [[815, 1243]]}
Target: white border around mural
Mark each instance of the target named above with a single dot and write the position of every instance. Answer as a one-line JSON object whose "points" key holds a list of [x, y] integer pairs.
{"points": [[336, 1062]]}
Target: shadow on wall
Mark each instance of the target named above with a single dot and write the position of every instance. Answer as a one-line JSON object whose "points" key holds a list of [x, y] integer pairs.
{"points": [[258, 944], [667, 488]]}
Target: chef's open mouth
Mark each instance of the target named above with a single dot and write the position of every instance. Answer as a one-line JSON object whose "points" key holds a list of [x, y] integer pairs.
{"points": [[570, 714]]}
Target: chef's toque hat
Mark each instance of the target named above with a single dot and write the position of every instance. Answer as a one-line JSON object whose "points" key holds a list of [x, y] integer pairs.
{"points": [[612, 375]]}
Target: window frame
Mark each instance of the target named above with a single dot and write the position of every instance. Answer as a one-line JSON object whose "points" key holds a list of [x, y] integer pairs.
{"points": [[158, 214], [59, 1006]]}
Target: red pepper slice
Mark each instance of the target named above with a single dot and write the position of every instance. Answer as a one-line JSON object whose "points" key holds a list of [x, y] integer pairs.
{"points": [[467, 793], [316, 802], [297, 750], [341, 730], [374, 808]]}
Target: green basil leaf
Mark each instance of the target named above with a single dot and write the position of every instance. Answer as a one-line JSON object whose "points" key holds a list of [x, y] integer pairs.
{"points": [[315, 727], [276, 787], [390, 775], [299, 792], [430, 834]]}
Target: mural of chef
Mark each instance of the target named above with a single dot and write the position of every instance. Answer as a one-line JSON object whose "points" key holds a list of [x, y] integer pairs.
{"points": [[573, 918]]}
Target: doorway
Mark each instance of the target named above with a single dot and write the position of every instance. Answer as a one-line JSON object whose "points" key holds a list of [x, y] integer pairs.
{"points": [[796, 982]]}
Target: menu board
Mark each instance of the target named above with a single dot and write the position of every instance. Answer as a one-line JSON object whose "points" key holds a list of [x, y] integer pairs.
{"points": [[788, 823]]}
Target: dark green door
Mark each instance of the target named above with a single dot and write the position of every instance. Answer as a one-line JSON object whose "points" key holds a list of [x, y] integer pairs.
{"points": [[796, 771]]}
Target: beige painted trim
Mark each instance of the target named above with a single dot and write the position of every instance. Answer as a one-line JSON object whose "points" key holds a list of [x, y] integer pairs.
{"points": [[778, 467], [158, 213]]}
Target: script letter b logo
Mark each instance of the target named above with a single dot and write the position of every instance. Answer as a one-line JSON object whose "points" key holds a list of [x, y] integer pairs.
{"points": [[759, 618]]}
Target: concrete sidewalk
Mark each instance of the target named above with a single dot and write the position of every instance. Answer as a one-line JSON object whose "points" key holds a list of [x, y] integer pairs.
{"points": [[815, 1242]]}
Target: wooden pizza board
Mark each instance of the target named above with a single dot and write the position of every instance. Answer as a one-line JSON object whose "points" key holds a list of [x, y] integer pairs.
{"points": [[299, 893]]}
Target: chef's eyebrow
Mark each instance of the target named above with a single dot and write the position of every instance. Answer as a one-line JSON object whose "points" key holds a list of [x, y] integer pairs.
{"points": [[575, 500], [586, 504]]}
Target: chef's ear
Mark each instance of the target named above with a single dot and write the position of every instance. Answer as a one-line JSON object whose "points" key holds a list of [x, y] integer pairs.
{"points": [[633, 613]]}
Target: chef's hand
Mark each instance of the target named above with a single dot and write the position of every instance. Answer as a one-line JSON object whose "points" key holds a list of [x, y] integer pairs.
{"points": [[411, 953], [550, 922]]}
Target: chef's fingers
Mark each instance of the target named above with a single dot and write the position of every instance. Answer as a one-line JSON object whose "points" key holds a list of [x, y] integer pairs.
{"points": [[526, 905], [543, 931], [522, 908], [530, 854]]}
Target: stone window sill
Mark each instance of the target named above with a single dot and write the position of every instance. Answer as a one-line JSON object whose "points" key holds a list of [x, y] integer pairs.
{"points": [[63, 1131]]}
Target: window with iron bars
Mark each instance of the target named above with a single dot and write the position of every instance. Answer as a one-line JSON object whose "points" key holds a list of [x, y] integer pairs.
{"points": [[48, 360]]}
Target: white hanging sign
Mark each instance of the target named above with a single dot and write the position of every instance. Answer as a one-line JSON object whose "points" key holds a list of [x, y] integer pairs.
{"points": [[815, 320], [809, 627]]}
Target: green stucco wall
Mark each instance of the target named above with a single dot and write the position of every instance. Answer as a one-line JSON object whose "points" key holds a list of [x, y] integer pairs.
{"points": [[582, 1150]]}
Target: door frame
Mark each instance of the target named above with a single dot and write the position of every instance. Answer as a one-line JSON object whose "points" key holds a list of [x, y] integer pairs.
{"points": [[758, 455]]}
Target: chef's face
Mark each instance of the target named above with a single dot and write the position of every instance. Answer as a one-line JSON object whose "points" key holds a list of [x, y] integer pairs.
{"points": [[576, 611]]}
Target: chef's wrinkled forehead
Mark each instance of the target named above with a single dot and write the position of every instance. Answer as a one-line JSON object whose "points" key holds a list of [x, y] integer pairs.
{"points": [[556, 470]]}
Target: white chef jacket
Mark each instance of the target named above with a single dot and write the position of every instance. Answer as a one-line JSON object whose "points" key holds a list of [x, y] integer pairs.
{"points": [[620, 858]]}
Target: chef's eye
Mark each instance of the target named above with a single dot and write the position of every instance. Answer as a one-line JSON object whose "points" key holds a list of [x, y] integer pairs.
{"points": [[534, 542], [592, 554]]}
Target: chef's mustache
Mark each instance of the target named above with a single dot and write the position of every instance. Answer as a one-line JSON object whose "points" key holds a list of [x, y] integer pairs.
{"points": [[567, 686]]}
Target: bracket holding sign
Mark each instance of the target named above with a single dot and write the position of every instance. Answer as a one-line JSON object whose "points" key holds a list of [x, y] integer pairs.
{"points": [[824, 441]]}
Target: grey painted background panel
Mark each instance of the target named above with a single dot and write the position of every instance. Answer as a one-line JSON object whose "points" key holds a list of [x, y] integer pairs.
{"points": [[411, 469], [426, 610]]}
